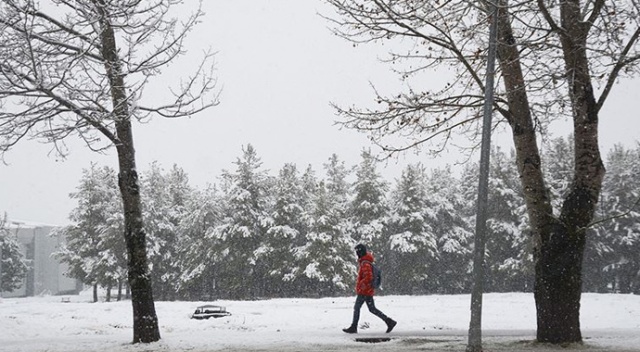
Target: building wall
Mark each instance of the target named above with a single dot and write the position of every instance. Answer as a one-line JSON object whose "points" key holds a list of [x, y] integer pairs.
{"points": [[46, 273]]}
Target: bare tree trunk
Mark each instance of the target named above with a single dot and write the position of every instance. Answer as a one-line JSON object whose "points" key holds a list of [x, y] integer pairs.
{"points": [[145, 320], [553, 293], [558, 267], [524, 135], [558, 242], [559, 255], [95, 293]]}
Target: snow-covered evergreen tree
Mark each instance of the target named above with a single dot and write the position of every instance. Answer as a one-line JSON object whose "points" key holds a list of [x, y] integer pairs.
{"points": [[336, 183], [240, 236], [310, 184], [94, 248], [165, 196], [412, 241], [326, 259], [509, 258], [453, 232], [298, 281], [112, 231], [287, 226], [197, 269], [14, 265], [368, 209], [469, 180], [617, 236]]}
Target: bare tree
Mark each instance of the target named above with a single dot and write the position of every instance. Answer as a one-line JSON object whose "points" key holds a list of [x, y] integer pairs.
{"points": [[79, 68], [551, 55]]}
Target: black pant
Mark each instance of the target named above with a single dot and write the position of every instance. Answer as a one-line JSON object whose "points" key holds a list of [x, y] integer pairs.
{"points": [[360, 300]]}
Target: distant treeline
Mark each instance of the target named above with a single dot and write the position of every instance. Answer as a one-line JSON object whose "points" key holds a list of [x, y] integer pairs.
{"points": [[255, 235]]}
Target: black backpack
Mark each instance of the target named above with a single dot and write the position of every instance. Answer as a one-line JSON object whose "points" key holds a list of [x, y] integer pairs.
{"points": [[377, 275]]}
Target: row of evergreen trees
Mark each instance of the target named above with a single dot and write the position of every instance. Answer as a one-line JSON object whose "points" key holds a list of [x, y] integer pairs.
{"points": [[254, 235]]}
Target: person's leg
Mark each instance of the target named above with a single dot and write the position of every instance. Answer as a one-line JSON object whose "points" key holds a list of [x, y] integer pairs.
{"points": [[356, 315], [356, 310], [372, 308], [375, 311]]}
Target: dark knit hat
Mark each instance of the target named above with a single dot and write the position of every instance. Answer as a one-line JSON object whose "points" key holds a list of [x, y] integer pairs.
{"points": [[361, 250]]}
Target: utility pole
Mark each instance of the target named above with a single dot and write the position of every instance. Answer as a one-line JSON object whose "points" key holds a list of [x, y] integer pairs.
{"points": [[2, 240], [475, 326], [1, 246]]}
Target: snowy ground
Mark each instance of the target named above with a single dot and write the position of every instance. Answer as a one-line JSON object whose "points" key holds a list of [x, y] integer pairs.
{"points": [[426, 323]]}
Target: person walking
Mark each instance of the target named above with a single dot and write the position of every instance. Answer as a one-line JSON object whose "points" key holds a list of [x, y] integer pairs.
{"points": [[365, 291]]}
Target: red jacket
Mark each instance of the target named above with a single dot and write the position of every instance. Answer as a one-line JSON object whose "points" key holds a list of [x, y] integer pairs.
{"points": [[364, 283]]}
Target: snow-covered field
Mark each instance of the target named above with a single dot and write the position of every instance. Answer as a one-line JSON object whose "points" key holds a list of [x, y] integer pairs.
{"points": [[432, 323]]}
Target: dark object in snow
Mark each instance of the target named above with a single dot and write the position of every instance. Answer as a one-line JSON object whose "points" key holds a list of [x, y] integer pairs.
{"points": [[210, 311], [373, 339]]}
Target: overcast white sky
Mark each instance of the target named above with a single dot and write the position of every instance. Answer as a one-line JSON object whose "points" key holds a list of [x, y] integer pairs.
{"points": [[279, 67]]}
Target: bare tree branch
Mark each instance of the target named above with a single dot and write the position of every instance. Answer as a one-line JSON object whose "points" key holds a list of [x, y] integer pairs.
{"points": [[52, 65], [623, 61], [614, 217]]}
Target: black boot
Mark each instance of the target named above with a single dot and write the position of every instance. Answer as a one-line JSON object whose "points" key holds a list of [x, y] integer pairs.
{"points": [[390, 324], [351, 330]]}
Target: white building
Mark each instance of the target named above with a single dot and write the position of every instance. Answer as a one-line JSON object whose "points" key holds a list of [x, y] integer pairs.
{"points": [[46, 275]]}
